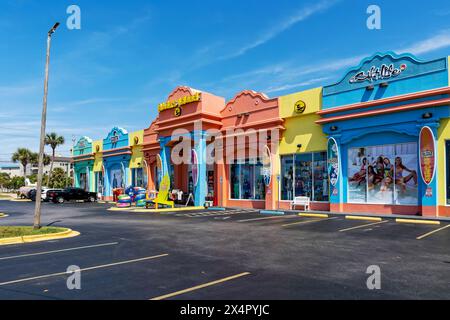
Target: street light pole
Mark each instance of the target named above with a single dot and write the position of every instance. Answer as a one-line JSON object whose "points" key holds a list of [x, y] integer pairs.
{"points": [[37, 209]]}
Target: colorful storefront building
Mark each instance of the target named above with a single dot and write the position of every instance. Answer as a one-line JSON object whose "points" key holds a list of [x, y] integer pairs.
{"points": [[114, 162], [83, 159], [384, 121], [377, 141]]}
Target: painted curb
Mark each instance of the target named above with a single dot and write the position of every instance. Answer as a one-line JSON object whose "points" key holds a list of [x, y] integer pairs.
{"points": [[169, 209], [280, 213], [313, 215], [20, 200], [417, 221], [2, 215], [69, 233], [216, 209], [363, 218]]}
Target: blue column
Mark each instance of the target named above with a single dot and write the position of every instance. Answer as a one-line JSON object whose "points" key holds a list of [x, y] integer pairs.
{"points": [[337, 192], [200, 191]]}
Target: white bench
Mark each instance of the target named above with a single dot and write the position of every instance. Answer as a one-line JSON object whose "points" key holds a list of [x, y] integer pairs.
{"points": [[300, 201]]}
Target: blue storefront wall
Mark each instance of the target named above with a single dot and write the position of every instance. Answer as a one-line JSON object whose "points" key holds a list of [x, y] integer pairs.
{"points": [[116, 159], [384, 128]]}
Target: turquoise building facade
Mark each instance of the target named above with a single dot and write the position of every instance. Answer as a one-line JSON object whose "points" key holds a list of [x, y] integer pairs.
{"points": [[375, 115], [83, 163]]}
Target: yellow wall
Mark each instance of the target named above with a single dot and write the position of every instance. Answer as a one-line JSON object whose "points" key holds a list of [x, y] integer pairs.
{"points": [[301, 128], [137, 157], [443, 134]]}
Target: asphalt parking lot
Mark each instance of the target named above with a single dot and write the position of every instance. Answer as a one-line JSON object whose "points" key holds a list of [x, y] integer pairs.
{"points": [[232, 254]]}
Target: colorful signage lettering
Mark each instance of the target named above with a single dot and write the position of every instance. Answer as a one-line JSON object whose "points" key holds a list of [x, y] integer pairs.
{"points": [[427, 155], [180, 102], [333, 162], [378, 73]]}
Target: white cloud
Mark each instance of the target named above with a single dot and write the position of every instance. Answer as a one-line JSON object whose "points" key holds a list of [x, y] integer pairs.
{"points": [[284, 25], [296, 85], [436, 42]]}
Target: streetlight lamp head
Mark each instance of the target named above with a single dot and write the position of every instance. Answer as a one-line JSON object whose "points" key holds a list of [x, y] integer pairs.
{"points": [[53, 29]]}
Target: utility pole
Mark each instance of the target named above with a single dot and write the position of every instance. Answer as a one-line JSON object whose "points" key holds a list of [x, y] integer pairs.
{"points": [[37, 209]]}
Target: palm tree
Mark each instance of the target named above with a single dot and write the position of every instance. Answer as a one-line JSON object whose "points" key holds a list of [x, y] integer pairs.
{"points": [[53, 140], [24, 156]]}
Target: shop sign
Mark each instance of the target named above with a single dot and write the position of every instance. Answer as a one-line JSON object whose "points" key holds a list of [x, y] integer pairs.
{"points": [[194, 162], [81, 144], [378, 73], [427, 154], [299, 106], [333, 161], [267, 166], [114, 138], [180, 102]]}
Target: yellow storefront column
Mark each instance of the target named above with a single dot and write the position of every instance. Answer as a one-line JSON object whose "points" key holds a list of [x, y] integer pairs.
{"points": [[302, 134], [97, 149], [442, 158]]}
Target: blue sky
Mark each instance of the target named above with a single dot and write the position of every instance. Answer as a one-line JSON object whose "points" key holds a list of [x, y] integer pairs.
{"points": [[129, 55]]}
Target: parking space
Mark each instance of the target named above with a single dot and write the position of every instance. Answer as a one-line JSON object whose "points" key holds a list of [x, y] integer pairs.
{"points": [[227, 254]]}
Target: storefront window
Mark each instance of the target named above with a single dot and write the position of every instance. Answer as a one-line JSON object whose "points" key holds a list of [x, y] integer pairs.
{"points": [[83, 183], [287, 177], [304, 175], [138, 177], [447, 163], [384, 174], [247, 181], [99, 182]]}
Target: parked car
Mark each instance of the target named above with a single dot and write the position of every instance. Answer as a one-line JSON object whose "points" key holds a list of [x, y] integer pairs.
{"points": [[44, 194], [71, 194]]}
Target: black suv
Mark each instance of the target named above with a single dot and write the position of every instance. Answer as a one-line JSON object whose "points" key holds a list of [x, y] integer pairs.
{"points": [[68, 194]]}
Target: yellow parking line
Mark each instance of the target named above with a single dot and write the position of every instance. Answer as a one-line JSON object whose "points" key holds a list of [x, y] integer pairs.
{"points": [[362, 226], [430, 233], [363, 218], [309, 221], [85, 269], [417, 221], [212, 283], [313, 215]]}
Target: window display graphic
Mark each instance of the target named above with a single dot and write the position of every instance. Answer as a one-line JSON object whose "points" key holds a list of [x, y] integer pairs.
{"points": [[427, 154], [333, 161], [384, 174], [117, 178]]}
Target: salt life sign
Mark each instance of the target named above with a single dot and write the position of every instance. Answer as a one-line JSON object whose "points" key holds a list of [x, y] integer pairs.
{"points": [[378, 73]]}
